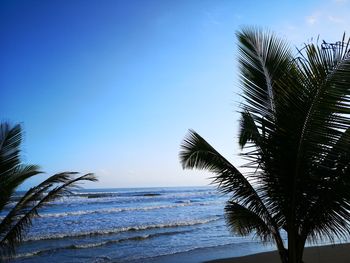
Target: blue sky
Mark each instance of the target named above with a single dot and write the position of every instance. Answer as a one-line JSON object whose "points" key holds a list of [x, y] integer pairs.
{"points": [[112, 87]]}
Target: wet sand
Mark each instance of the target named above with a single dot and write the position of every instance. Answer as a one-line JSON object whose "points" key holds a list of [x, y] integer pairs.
{"points": [[323, 254]]}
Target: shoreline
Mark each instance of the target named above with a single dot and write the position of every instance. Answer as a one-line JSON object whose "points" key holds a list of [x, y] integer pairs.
{"points": [[337, 253]]}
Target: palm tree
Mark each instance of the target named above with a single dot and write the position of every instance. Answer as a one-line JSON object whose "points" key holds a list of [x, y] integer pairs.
{"points": [[295, 136], [12, 174]]}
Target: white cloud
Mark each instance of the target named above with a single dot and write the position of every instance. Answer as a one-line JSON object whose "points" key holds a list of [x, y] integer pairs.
{"points": [[328, 20], [336, 20], [340, 1], [313, 19]]}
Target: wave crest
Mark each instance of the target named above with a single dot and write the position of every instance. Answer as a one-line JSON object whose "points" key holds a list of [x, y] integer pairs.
{"points": [[126, 229]]}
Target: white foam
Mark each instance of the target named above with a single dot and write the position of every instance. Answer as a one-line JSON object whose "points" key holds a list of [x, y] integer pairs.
{"points": [[125, 229], [112, 210]]}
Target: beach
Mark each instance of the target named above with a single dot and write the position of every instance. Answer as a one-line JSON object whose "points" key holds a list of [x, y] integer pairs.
{"points": [[339, 253], [322, 254]]}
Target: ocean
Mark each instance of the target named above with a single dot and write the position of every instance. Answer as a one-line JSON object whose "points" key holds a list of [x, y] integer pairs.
{"points": [[134, 225]]}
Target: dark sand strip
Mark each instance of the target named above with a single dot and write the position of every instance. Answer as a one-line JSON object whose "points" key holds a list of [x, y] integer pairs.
{"points": [[323, 254]]}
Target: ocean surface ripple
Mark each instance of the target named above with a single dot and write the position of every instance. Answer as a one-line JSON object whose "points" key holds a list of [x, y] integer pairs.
{"points": [[123, 225]]}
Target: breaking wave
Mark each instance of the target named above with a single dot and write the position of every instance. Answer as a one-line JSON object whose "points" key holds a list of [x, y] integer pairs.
{"points": [[126, 229]]}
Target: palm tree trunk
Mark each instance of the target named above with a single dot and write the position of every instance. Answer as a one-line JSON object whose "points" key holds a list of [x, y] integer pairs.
{"points": [[300, 248], [296, 244], [292, 248], [283, 253]]}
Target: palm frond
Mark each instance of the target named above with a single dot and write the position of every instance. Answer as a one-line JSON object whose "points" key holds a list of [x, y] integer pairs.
{"points": [[15, 224], [249, 132], [325, 74], [197, 153], [12, 173], [328, 73], [243, 222], [13, 179], [263, 58], [10, 140], [295, 135]]}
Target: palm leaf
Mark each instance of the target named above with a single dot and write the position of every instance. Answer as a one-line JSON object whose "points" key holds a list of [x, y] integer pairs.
{"points": [[295, 136], [10, 139], [197, 153], [243, 222], [263, 58], [15, 224], [13, 179]]}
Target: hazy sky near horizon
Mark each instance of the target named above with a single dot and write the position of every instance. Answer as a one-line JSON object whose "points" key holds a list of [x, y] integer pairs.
{"points": [[112, 87]]}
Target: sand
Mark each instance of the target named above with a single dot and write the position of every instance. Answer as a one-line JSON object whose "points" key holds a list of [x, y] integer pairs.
{"points": [[323, 254]]}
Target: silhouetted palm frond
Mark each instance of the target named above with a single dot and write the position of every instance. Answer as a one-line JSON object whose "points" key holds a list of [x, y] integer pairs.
{"points": [[295, 132], [13, 173]]}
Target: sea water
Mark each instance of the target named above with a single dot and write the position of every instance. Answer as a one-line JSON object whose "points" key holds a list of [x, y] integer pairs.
{"points": [[132, 225]]}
